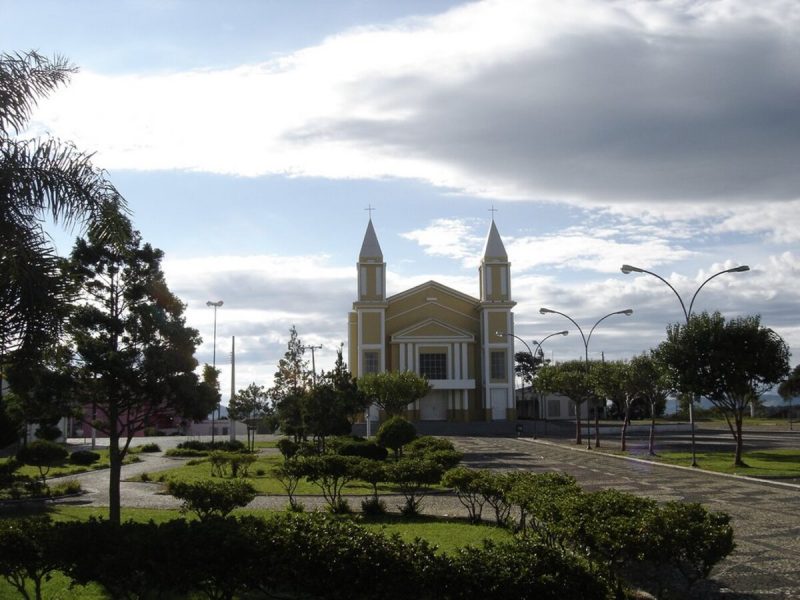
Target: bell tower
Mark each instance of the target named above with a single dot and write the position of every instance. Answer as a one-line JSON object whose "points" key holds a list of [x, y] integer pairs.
{"points": [[367, 327], [497, 328]]}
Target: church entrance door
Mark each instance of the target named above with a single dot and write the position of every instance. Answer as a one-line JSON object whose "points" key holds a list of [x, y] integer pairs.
{"points": [[433, 407]]}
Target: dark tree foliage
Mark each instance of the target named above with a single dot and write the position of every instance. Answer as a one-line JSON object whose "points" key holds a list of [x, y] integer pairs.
{"points": [[732, 363], [289, 389], [136, 354]]}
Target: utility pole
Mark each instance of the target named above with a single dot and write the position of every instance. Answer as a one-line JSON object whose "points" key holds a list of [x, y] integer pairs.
{"points": [[215, 305], [232, 432], [313, 362]]}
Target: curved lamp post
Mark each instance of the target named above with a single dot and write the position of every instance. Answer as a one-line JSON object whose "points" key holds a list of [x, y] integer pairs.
{"points": [[216, 305], [626, 269], [586, 338]]}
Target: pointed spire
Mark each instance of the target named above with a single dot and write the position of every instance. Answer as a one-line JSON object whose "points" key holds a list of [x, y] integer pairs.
{"points": [[494, 248], [370, 248]]}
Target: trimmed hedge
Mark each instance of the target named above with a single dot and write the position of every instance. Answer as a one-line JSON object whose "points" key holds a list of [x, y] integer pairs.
{"points": [[84, 457]]}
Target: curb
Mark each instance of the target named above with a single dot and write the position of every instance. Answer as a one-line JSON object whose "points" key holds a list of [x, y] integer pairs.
{"points": [[792, 486]]}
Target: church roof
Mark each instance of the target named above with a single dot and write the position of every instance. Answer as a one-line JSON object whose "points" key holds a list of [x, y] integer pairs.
{"points": [[494, 248], [370, 248]]}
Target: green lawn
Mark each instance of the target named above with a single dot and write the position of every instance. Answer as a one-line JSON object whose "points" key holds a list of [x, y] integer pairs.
{"points": [[200, 470], [68, 469], [773, 464]]}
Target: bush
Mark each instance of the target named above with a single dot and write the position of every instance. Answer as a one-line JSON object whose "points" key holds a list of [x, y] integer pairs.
{"points": [[66, 488], [208, 498], [43, 455], [289, 474], [428, 443], [240, 463], [373, 506], [83, 457], [331, 473], [372, 472], [186, 452], [396, 433], [28, 552], [49, 433], [465, 484], [414, 477], [369, 450], [151, 447], [287, 447]]}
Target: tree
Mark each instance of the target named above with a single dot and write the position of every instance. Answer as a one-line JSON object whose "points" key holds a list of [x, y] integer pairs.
{"points": [[393, 391], [290, 385], [249, 405], [395, 433], [731, 363], [135, 353], [648, 382], [790, 388], [39, 179], [568, 379], [332, 405], [610, 382]]}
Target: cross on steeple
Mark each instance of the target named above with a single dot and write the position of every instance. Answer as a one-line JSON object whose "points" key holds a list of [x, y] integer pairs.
{"points": [[493, 210], [370, 209]]}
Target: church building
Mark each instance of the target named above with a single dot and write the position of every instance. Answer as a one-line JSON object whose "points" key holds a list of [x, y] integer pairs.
{"points": [[462, 344]]}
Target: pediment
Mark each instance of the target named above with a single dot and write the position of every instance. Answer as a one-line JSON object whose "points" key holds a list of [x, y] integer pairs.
{"points": [[432, 329]]}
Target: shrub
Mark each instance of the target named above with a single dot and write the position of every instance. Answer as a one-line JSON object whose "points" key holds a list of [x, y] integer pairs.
{"points": [[428, 443], [465, 484], [373, 506], [43, 455], [186, 452], [144, 477], [447, 459], [369, 450], [83, 457], [414, 477], [207, 498], [151, 447], [372, 472], [27, 553], [192, 445], [331, 473], [396, 433], [542, 499], [240, 463], [47, 432], [287, 447], [289, 474], [494, 487], [66, 488], [219, 463]]}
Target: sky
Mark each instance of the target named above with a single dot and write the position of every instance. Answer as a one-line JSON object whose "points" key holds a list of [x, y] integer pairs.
{"points": [[250, 136]]}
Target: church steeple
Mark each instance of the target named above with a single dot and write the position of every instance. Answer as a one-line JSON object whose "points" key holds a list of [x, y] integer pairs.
{"points": [[495, 270], [371, 268]]}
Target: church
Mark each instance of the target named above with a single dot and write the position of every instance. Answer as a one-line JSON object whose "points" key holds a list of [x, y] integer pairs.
{"points": [[461, 343]]}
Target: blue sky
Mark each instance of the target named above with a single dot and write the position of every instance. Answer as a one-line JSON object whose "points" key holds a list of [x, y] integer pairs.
{"points": [[248, 137]]}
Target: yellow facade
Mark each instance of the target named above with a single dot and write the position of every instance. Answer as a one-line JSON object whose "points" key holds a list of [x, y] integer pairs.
{"points": [[463, 344]]}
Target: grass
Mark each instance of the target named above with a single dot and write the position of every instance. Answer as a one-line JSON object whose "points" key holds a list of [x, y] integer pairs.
{"points": [[68, 469], [200, 470], [771, 464]]}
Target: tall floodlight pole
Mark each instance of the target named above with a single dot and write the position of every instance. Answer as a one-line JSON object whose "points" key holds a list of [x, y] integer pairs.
{"points": [[533, 357], [232, 433], [216, 305], [626, 269], [586, 338], [313, 362]]}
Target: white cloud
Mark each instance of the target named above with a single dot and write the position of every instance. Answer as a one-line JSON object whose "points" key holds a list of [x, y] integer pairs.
{"points": [[649, 104]]}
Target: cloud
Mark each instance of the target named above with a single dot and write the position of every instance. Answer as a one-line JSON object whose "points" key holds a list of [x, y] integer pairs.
{"points": [[619, 104]]}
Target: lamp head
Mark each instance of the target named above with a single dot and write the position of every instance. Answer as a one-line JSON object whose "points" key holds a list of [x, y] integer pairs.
{"points": [[740, 269], [630, 269], [565, 332], [544, 311], [627, 312], [218, 303]]}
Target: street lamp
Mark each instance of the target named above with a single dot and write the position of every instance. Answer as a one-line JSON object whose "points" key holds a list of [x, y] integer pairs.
{"points": [[627, 312], [533, 357], [216, 305], [687, 314]]}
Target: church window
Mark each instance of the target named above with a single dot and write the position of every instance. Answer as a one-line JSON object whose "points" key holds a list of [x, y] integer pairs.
{"points": [[371, 362], [497, 365], [433, 366]]}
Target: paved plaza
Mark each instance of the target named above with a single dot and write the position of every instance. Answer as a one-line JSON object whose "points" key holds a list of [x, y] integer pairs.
{"points": [[766, 517]]}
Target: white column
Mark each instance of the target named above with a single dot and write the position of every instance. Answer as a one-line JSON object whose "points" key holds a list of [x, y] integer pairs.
{"points": [[402, 351]]}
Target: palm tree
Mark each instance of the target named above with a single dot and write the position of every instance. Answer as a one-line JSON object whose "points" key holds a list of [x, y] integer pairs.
{"points": [[41, 179]]}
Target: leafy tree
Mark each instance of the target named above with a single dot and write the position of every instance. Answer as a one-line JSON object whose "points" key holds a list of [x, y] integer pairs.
{"points": [[28, 554], [393, 391], [209, 498], [731, 363], [414, 477], [211, 379], [332, 405], [396, 433], [40, 179], [610, 382], [250, 405], [42, 454], [568, 379], [135, 351], [790, 388], [648, 381], [290, 385]]}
